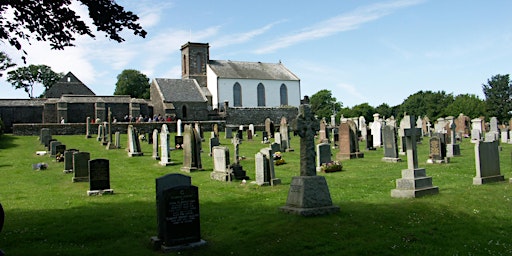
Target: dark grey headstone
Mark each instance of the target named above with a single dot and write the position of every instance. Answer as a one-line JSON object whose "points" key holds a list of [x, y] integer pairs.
{"points": [[390, 141], [81, 166], [99, 174], [60, 149], [53, 147], [178, 142], [487, 160], [68, 159]]}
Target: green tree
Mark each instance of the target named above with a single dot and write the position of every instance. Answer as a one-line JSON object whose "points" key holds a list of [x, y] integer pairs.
{"points": [[5, 63], [428, 103], [55, 21], [26, 77], [363, 109], [134, 83], [498, 96], [323, 104], [468, 104], [385, 110]]}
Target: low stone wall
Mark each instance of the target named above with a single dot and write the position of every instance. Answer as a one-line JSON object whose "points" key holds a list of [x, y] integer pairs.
{"points": [[257, 116], [122, 127]]}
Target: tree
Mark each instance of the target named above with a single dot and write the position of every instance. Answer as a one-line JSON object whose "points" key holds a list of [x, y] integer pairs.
{"points": [[55, 21], [428, 103], [5, 63], [385, 110], [323, 104], [468, 104], [26, 77], [498, 96], [134, 83]]}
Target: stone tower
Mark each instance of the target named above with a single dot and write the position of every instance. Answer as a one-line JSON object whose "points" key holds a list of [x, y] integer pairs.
{"points": [[194, 57]]}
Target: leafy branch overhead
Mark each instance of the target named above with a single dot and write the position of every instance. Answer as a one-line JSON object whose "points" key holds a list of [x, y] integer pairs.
{"points": [[56, 22]]}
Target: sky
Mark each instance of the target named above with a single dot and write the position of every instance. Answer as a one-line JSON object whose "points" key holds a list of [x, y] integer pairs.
{"points": [[362, 51]]}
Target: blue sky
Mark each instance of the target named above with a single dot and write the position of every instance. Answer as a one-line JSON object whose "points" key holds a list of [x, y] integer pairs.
{"points": [[362, 51]]}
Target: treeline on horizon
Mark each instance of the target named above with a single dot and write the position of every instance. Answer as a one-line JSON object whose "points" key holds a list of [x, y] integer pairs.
{"points": [[497, 103]]}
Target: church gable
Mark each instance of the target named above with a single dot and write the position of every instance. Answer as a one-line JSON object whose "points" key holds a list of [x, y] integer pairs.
{"points": [[180, 90], [69, 84]]}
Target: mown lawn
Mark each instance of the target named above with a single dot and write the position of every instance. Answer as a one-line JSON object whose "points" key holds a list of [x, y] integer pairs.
{"points": [[48, 214]]}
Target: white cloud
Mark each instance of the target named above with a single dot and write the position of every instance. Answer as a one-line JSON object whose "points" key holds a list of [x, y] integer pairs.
{"points": [[351, 90], [341, 23], [239, 38]]}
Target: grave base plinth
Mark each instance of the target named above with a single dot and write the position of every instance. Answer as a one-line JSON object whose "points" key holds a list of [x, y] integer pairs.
{"points": [[391, 159], [414, 183], [489, 179], [100, 192], [346, 156], [309, 196], [157, 244], [130, 154], [221, 176]]}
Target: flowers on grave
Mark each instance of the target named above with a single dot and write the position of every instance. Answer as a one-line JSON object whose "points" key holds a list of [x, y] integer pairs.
{"points": [[59, 157], [332, 166], [277, 155]]}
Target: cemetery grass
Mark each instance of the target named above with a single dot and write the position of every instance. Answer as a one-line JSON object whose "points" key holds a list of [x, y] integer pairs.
{"points": [[47, 214]]}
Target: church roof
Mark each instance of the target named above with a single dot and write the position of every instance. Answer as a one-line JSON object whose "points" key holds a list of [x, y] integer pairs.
{"points": [[180, 90], [251, 70], [68, 84]]}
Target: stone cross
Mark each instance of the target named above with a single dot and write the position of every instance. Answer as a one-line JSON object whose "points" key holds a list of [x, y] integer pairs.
{"points": [[453, 133], [410, 140], [307, 126]]}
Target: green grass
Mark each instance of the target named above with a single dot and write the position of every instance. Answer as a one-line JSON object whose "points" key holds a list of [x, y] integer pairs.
{"points": [[47, 214]]}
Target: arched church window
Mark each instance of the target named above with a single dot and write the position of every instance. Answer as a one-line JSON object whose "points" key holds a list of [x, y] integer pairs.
{"points": [[283, 92], [261, 95], [237, 95]]}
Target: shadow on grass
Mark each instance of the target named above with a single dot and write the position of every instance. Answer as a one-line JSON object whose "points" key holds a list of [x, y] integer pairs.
{"points": [[7, 141], [242, 227]]}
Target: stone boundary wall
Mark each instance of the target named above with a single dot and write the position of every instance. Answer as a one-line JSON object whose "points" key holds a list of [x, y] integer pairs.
{"points": [[79, 128], [257, 116]]}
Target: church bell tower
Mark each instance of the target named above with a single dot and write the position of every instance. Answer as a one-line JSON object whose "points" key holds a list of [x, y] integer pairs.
{"points": [[194, 57]]}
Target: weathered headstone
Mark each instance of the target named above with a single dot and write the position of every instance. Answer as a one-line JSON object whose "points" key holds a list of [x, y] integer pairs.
{"points": [[269, 127], [45, 137], [265, 138], [251, 128], [178, 142], [178, 127], [88, 127], [81, 166], [228, 133], [487, 160], [238, 171], [452, 148], [309, 194], [323, 136], [249, 135], [165, 150], [191, 150], [59, 149], [323, 155], [215, 130], [99, 177], [390, 144], [68, 160], [285, 135], [110, 139], [53, 147], [133, 142], [100, 133], [437, 150], [414, 181], [493, 128], [178, 219], [156, 145], [221, 170], [476, 130], [348, 141], [376, 127], [117, 142]]}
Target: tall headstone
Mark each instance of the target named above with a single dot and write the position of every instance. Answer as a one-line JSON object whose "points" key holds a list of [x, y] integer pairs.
{"points": [[178, 127], [251, 128], [68, 160], [81, 166], [238, 170], [117, 142], [269, 127], [99, 177], [404, 124], [199, 131], [45, 137], [214, 141], [156, 145], [437, 147], [476, 130], [348, 141], [178, 219], [323, 136], [100, 133], [191, 150], [110, 143], [452, 148], [133, 142], [414, 181], [309, 194], [363, 127], [165, 149], [493, 128], [390, 144], [487, 160], [228, 133], [221, 167], [264, 164], [376, 131], [323, 155], [88, 127]]}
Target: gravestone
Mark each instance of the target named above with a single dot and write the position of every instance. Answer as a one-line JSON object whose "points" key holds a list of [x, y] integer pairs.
{"points": [[165, 150], [117, 142], [249, 135], [221, 170], [285, 136], [269, 127], [240, 134], [88, 127], [68, 160], [404, 124], [81, 166], [390, 144], [277, 139], [110, 142], [493, 128], [437, 149], [53, 147], [178, 219], [348, 141], [215, 130], [452, 148], [191, 150], [99, 177], [369, 139], [275, 147], [309, 194], [228, 133], [476, 130], [156, 145], [323, 155], [264, 172], [376, 127], [178, 142], [322, 133], [265, 138], [214, 141], [178, 127], [100, 133], [59, 149], [45, 137], [133, 142], [104, 139], [504, 136], [251, 128], [238, 171], [414, 181], [487, 160]]}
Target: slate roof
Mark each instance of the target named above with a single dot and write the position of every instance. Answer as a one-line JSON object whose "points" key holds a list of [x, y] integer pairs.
{"points": [[73, 86], [251, 70], [180, 90]]}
